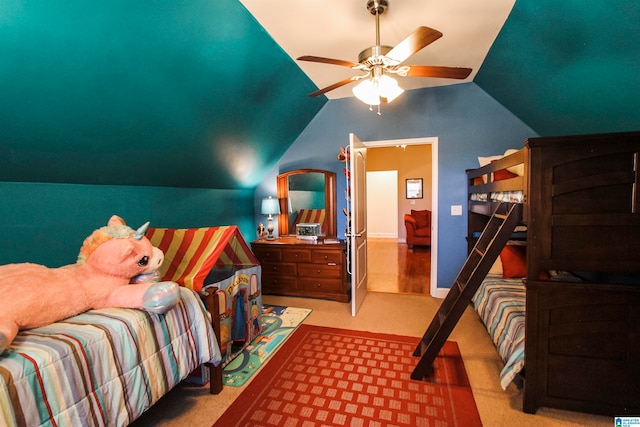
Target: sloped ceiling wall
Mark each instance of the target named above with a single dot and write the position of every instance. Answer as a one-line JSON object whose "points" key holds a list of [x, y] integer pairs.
{"points": [[197, 94], [162, 93], [568, 67]]}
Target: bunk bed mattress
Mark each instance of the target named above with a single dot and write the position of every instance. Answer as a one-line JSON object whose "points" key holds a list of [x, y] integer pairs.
{"points": [[515, 196], [500, 303], [103, 367]]}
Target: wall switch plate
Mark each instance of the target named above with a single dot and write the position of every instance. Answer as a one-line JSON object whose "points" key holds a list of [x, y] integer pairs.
{"points": [[456, 210]]}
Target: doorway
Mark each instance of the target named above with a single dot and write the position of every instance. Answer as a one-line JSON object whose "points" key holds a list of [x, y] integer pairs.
{"points": [[400, 267]]}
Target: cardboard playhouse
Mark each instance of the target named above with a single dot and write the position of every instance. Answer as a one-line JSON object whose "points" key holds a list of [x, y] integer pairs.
{"points": [[216, 259]]}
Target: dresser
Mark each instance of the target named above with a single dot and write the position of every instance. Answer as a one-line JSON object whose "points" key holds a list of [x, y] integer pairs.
{"points": [[305, 268]]}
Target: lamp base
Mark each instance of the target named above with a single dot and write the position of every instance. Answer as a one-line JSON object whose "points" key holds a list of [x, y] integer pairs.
{"points": [[270, 229]]}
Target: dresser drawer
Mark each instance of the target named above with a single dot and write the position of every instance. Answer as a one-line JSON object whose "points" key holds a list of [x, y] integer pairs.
{"points": [[296, 255], [269, 253], [279, 268], [320, 270], [321, 284], [326, 257], [273, 283]]}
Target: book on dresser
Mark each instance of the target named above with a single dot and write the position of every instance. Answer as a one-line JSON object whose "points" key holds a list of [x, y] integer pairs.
{"points": [[304, 268]]}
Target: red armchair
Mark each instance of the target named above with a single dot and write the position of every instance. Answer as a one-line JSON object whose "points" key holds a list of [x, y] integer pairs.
{"points": [[418, 225]]}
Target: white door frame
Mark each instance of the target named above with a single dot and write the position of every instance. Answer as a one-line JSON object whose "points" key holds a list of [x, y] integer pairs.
{"points": [[433, 141]]}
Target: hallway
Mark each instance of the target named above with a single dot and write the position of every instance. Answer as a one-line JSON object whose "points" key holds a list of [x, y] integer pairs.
{"points": [[394, 268]]}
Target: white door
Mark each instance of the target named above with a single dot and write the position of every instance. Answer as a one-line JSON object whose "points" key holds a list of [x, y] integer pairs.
{"points": [[358, 230]]}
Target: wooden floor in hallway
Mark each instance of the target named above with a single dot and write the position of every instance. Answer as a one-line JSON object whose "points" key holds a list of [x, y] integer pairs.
{"points": [[394, 268]]}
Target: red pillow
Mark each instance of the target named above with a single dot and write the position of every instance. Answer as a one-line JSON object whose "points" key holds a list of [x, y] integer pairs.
{"points": [[514, 261], [503, 174]]}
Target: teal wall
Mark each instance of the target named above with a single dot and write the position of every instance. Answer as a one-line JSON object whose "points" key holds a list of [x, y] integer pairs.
{"points": [[47, 223], [467, 121], [568, 67], [191, 93]]}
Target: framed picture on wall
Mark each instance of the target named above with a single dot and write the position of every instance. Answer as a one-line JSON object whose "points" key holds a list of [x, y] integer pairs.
{"points": [[414, 188]]}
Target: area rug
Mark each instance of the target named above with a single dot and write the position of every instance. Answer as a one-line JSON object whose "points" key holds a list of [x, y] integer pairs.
{"points": [[278, 322], [337, 377]]}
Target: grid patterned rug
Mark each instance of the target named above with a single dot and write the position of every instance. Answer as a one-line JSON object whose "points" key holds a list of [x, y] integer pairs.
{"points": [[337, 377]]}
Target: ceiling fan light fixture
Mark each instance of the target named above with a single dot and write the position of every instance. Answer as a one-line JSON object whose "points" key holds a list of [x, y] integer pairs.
{"points": [[371, 90], [389, 88], [367, 92]]}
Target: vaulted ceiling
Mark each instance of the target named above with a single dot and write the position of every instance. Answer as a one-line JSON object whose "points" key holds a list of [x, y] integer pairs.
{"points": [[202, 93]]}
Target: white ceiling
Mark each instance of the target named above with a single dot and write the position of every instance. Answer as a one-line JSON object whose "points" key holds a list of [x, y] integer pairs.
{"points": [[340, 29]]}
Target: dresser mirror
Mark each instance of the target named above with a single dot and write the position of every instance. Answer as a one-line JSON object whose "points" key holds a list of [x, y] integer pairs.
{"points": [[306, 189]]}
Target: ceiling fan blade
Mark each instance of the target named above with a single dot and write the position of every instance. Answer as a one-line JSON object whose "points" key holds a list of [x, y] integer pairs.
{"points": [[327, 61], [332, 87], [421, 37], [434, 71]]}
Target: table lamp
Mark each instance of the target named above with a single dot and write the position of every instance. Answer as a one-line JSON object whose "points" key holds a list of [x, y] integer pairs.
{"points": [[270, 206]]}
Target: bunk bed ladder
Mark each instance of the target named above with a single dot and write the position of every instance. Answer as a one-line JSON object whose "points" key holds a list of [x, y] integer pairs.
{"points": [[494, 237]]}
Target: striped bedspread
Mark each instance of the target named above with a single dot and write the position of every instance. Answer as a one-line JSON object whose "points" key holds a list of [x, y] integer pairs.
{"points": [[501, 306], [103, 367]]}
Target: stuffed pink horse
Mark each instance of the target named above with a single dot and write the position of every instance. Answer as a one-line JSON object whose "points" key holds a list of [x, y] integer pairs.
{"points": [[33, 295]]}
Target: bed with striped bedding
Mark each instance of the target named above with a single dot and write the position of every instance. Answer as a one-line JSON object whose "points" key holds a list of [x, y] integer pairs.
{"points": [[500, 303], [103, 367]]}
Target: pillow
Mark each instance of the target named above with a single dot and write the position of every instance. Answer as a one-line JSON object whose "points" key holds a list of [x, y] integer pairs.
{"points": [[503, 174], [514, 261], [483, 161], [517, 169]]}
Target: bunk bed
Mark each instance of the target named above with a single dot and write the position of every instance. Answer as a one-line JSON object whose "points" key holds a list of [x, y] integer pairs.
{"points": [[571, 325]]}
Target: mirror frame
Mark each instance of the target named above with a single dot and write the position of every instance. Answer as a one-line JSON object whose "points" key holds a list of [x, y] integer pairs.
{"points": [[330, 200]]}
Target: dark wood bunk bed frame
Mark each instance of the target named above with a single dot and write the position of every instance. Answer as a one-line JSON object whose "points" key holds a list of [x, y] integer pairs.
{"points": [[581, 209]]}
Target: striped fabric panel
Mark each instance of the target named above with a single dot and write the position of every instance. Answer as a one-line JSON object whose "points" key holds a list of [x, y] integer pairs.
{"points": [[500, 303], [311, 216], [103, 367], [191, 253]]}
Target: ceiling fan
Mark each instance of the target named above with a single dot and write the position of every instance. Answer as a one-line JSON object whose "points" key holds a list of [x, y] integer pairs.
{"points": [[378, 61]]}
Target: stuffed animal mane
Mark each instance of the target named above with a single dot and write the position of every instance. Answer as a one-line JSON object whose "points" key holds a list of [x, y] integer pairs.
{"points": [[103, 234], [109, 262]]}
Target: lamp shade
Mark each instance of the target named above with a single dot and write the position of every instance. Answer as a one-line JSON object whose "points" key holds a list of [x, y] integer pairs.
{"points": [[370, 91], [389, 88], [270, 206], [367, 92]]}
